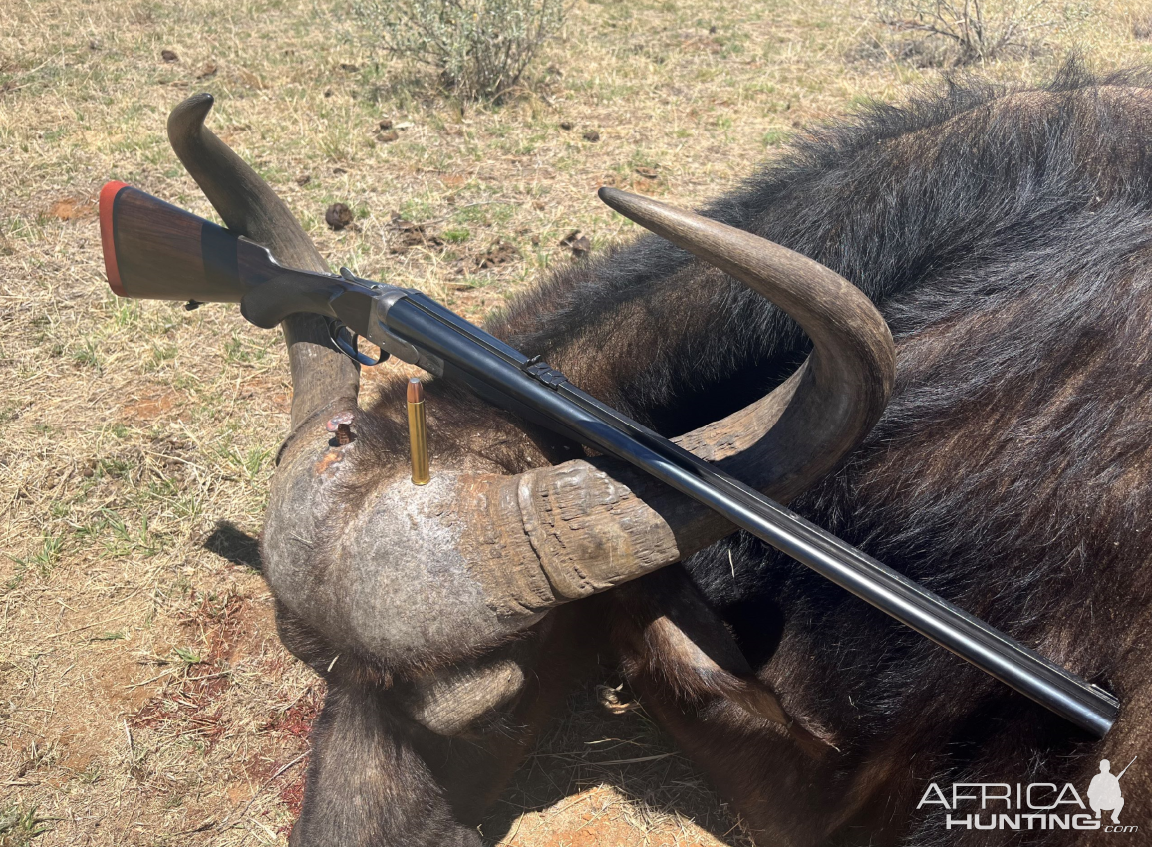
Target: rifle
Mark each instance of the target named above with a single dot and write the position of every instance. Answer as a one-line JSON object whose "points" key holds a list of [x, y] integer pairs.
{"points": [[158, 251]]}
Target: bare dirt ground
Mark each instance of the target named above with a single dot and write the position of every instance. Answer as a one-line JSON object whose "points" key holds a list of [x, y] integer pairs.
{"points": [[144, 696]]}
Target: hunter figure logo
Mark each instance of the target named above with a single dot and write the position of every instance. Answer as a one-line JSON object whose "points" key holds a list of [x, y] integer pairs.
{"points": [[1104, 791], [1034, 806]]}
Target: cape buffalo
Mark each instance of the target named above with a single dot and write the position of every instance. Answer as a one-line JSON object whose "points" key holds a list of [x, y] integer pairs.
{"points": [[1005, 235]]}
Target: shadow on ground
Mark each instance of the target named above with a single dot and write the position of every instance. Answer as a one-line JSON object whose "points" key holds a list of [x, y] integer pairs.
{"points": [[638, 780], [234, 544]]}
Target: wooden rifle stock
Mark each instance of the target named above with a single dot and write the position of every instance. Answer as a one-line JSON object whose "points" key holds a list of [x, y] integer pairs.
{"points": [[157, 251]]}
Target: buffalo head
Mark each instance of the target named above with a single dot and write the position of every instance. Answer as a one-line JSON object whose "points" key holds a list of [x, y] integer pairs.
{"points": [[422, 592]]}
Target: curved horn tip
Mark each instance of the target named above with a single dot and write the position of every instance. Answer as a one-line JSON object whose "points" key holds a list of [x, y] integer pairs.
{"points": [[667, 221], [607, 192], [188, 115], [617, 199]]}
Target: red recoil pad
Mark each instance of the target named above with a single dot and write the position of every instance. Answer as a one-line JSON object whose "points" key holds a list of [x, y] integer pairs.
{"points": [[156, 251], [107, 238]]}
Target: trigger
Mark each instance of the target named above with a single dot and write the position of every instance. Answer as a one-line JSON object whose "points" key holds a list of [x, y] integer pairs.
{"points": [[345, 341]]}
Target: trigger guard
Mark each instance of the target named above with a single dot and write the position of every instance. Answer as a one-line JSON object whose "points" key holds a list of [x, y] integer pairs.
{"points": [[345, 341]]}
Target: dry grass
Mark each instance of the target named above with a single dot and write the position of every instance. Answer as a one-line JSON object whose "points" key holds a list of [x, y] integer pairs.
{"points": [[144, 697]]}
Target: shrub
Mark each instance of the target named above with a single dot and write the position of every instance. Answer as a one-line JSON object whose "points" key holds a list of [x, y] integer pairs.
{"points": [[978, 30], [480, 48]]}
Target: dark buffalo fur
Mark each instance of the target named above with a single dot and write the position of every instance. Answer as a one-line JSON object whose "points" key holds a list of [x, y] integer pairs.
{"points": [[1007, 239]]}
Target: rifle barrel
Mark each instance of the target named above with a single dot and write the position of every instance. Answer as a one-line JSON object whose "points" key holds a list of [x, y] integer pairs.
{"points": [[529, 387]]}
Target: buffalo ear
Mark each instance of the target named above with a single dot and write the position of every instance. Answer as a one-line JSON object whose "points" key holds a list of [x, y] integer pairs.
{"points": [[667, 633]]}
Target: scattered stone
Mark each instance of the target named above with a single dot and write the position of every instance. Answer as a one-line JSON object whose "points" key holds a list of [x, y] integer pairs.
{"points": [[338, 216], [566, 125], [592, 135], [169, 56], [388, 137], [208, 70], [577, 243], [303, 179]]}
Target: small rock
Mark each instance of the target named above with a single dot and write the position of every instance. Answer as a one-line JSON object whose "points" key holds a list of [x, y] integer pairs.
{"points": [[327, 92], [94, 44], [387, 137], [577, 243], [566, 125], [339, 171], [592, 135], [385, 124], [169, 56], [350, 68], [303, 179], [338, 216], [209, 69]]}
